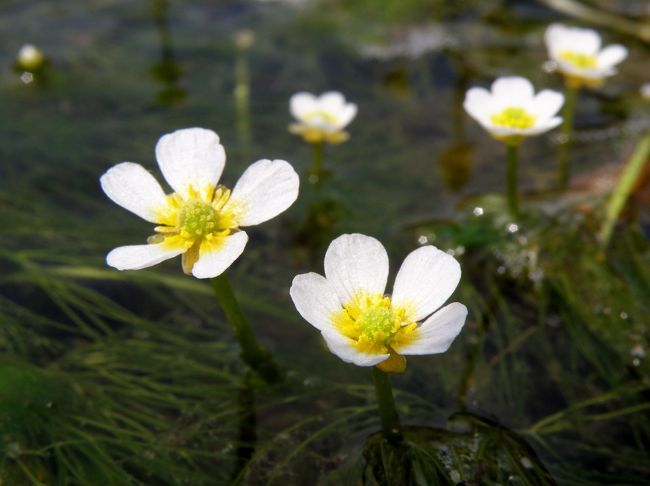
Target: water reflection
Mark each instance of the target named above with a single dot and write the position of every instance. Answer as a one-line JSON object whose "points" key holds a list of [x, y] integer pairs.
{"points": [[456, 161], [166, 70]]}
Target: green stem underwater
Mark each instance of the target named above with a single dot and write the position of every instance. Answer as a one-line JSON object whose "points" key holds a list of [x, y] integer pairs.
{"points": [[390, 425], [513, 201], [253, 354], [568, 114], [316, 172]]}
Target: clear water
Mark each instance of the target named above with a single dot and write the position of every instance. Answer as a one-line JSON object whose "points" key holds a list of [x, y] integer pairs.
{"points": [[134, 378]]}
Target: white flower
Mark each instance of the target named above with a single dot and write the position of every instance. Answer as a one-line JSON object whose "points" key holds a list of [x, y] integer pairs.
{"points": [[511, 110], [578, 54], [201, 220], [364, 326], [321, 118], [30, 58]]}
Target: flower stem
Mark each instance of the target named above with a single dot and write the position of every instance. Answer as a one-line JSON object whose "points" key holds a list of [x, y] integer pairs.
{"points": [[513, 202], [568, 114], [316, 172], [387, 412], [253, 354]]}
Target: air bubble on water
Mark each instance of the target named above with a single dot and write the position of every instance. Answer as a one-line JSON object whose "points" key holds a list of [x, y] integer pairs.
{"points": [[637, 351], [549, 66], [13, 449], [554, 321], [27, 77], [536, 276]]}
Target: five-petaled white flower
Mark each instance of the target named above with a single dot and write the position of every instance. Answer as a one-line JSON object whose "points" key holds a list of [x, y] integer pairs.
{"points": [[201, 220], [364, 326], [511, 110], [321, 118], [579, 57]]}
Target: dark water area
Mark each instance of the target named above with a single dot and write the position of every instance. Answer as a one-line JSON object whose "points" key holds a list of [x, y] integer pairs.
{"points": [[115, 378]]}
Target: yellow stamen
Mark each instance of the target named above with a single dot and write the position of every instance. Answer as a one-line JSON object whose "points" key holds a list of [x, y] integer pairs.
{"points": [[513, 117], [579, 60], [376, 326], [196, 222], [319, 115]]}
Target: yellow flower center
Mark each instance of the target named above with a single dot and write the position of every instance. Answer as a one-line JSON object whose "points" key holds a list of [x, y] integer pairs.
{"points": [[320, 115], [578, 59], [513, 117], [197, 222], [374, 324], [377, 323], [197, 218]]}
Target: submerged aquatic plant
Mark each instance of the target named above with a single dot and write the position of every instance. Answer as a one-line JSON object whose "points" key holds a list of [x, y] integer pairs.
{"points": [[201, 220], [578, 55], [364, 326], [321, 119], [511, 111]]}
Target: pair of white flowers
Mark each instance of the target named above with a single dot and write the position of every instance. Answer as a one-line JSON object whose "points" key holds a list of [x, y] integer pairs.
{"points": [[202, 220], [511, 110]]}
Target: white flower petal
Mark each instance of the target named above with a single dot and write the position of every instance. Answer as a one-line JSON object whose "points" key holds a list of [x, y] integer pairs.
{"points": [[555, 38], [134, 188], [426, 279], [346, 115], [546, 104], [355, 262], [343, 347], [611, 55], [191, 156], [331, 102], [478, 103], [514, 90], [264, 190], [315, 300], [213, 263], [135, 257], [301, 104], [543, 127], [585, 41], [436, 334]]}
